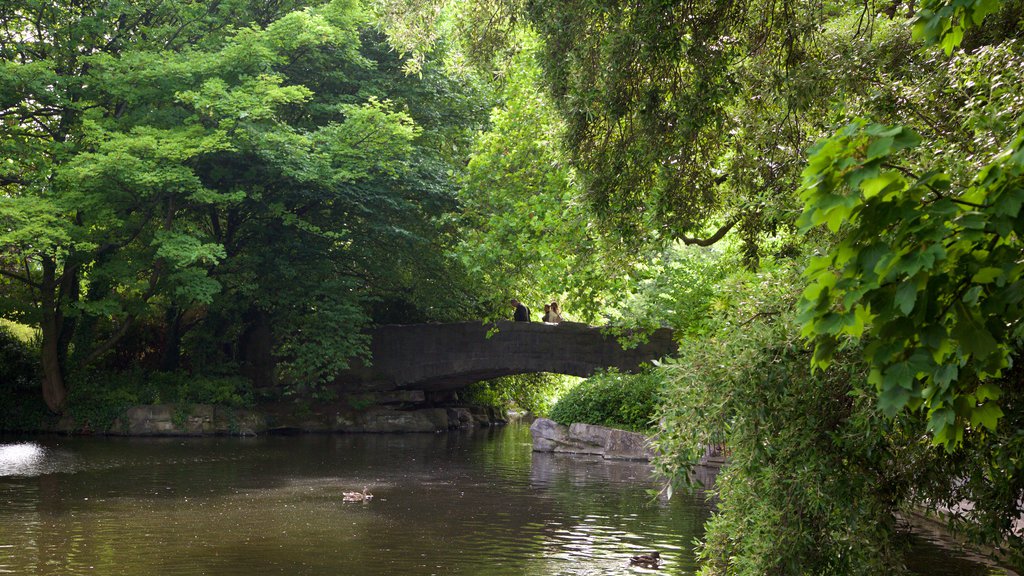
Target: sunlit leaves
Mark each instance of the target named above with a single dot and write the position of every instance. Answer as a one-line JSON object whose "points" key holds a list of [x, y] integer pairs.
{"points": [[204, 154], [936, 272], [943, 21]]}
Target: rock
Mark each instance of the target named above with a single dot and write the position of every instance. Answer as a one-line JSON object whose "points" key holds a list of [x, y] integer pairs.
{"points": [[609, 443], [624, 445], [460, 418], [238, 422], [150, 420], [383, 419], [194, 420], [548, 435], [589, 434]]}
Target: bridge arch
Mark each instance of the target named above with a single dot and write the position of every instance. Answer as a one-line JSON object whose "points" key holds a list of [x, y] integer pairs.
{"points": [[439, 357]]}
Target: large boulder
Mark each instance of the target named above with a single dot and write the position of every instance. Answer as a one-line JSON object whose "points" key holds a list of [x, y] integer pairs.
{"points": [[609, 443]]}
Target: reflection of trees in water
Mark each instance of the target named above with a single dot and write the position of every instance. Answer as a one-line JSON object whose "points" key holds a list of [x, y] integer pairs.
{"points": [[473, 503]]}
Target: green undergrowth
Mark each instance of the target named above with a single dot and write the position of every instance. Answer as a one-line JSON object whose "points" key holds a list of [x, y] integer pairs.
{"points": [[21, 404], [97, 399], [533, 393], [627, 401]]}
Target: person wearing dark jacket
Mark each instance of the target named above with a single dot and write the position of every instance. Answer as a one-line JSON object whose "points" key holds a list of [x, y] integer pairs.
{"points": [[522, 312]]}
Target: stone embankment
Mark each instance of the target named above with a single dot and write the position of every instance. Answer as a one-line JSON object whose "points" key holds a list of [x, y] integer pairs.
{"points": [[608, 443], [614, 444], [207, 420]]}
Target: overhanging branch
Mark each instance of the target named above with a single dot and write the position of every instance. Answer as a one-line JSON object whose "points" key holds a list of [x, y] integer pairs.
{"points": [[718, 235]]}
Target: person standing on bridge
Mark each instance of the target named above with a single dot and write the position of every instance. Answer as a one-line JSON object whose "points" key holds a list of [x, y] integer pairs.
{"points": [[555, 315], [522, 312]]}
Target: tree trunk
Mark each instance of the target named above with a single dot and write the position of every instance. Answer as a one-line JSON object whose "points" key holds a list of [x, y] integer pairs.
{"points": [[55, 392], [170, 357]]}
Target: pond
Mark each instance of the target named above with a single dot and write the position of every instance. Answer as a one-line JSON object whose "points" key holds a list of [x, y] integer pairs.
{"points": [[472, 503]]}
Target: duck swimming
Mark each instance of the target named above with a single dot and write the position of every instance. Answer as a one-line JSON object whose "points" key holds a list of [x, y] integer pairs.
{"points": [[652, 560], [363, 496]]}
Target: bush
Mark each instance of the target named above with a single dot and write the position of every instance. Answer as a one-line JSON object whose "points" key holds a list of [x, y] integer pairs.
{"points": [[96, 399], [628, 401], [21, 403], [19, 364], [816, 472]]}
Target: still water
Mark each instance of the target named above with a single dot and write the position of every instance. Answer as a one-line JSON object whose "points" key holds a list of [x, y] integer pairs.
{"points": [[471, 503]]}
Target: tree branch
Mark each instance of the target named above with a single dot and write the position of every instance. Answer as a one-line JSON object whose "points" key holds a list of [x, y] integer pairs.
{"points": [[710, 239], [110, 342], [20, 278]]}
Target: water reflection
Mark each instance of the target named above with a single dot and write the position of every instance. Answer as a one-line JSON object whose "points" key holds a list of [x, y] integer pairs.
{"points": [[476, 503], [21, 459]]}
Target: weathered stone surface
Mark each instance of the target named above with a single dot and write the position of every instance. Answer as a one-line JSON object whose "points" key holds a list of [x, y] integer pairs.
{"points": [[628, 446], [548, 435], [460, 418], [237, 421], [590, 435], [383, 419], [202, 420], [609, 443], [440, 357], [196, 420], [487, 416]]}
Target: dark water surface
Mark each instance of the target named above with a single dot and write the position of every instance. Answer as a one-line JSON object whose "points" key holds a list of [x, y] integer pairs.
{"points": [[473, 503]]}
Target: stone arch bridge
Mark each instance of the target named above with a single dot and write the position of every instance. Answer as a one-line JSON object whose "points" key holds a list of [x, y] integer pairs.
{"points": [[445, 357]]}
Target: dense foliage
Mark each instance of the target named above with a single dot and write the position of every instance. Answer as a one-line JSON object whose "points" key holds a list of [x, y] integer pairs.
{"points": [[531, 393], [195, 188], [21, 406], [218, 183], [627, 401], [687, 121]]}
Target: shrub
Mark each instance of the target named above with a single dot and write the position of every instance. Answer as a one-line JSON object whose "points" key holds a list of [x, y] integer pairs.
{"points": [[19, 365], [96, 399], [627, 401], [21, 404]]}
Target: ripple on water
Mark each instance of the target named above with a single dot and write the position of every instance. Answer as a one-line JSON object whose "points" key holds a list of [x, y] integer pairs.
{"points": [[468, 505]]}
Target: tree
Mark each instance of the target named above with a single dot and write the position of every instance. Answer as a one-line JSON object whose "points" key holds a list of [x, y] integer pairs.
{"points": [[528, 234], [57, 106], [165, 157]]}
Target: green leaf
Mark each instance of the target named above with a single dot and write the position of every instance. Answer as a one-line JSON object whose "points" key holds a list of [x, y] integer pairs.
{"points": [[971, 333], [988, 391], [987, 415], [874, 186], [892, 400], [945, 374], [899, 374], [987, 275], [880, 147], [906, 296]]}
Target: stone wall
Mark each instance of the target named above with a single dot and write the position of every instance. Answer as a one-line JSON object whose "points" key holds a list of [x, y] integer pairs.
{"points": [[206, 420]]}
